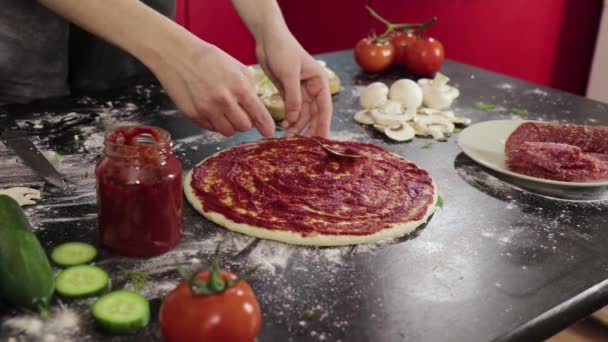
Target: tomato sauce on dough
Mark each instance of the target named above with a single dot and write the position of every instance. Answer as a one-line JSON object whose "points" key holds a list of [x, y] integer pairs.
{"points": [[292, 184]]}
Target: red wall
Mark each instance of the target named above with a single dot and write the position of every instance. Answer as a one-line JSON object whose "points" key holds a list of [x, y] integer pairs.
{"points": [[544, 41], [549, 42]]}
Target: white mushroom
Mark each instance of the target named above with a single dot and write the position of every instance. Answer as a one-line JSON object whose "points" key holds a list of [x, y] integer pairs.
{"points": [[389, 120], [403, 132], [380, 128], [448, 114], [433, 125], [437, 93], [365, 116], [391, 107], [374, 95], [408, 93], [461, 121]]}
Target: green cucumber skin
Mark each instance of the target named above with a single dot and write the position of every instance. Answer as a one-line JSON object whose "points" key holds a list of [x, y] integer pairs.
{"points": [[26, 276]]}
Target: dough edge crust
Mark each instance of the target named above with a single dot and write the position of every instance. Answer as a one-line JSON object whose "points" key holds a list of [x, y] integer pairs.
{"points": [[395, 231]]}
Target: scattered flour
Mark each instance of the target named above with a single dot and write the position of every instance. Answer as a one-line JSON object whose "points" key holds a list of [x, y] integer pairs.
{"points": [[536, 91], [62, 325], [356, 91], [505, 86]]}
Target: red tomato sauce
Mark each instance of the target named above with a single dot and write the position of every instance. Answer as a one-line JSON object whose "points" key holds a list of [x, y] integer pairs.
{"points": [[139, 194], [293, 184]]}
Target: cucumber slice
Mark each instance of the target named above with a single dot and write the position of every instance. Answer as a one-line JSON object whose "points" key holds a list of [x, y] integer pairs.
{"points": [[82, 281], [122, 312], [73, 253]]}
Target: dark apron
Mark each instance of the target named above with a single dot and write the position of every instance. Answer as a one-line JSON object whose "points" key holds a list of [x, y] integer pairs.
{"points": [[42, 55]]}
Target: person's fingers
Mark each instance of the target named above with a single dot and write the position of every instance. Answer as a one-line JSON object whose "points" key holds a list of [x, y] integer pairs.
{"points": [[303, 119], [292, 90], [222, 125], [205, 123], [311, 130], [324, 111], [258, 114], [238, 118]]}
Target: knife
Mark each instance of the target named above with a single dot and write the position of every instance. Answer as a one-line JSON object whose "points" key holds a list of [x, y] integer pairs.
{"points": [[28, 152]]}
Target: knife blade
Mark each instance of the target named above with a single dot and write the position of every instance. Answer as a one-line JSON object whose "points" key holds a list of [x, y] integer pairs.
{"points": [[29, 153]]}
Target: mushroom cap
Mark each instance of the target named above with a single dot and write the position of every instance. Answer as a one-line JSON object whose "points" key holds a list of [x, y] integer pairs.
{"points": [[374, 95], [407, 92]]}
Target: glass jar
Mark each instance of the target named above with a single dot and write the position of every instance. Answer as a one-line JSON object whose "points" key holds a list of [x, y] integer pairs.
{"points": [[139, 192]]}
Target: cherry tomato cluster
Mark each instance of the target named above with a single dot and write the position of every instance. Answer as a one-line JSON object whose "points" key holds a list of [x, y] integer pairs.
{"points": [[400, 45]]}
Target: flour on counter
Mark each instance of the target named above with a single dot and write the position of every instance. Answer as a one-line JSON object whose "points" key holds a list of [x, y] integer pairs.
{"points": [[62, 325], [536, 91], [505, 86]]}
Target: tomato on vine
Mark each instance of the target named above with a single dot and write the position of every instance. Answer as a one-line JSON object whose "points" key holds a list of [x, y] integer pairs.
{"points": [[422, 55], [401, 40], [425, 56], [374, 54]]}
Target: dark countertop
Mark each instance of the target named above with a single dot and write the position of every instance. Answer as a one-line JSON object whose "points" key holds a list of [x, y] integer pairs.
{"points": [[498, 262]]}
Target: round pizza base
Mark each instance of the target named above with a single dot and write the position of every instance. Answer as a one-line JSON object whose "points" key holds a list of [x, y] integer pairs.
{"points": [[395, 231]]}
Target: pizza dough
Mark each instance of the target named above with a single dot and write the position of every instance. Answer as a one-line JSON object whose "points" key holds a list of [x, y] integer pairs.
{"points": [[291, 190]]}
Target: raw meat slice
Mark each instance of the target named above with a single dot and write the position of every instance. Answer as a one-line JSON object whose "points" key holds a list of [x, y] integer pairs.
{"points": [[559, 152], [556, 161], [588, 138]]}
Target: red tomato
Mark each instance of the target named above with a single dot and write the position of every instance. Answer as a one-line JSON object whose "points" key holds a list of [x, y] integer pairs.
{"points": [[230, 316], [401, 41], [374, 56], [425, 56]]}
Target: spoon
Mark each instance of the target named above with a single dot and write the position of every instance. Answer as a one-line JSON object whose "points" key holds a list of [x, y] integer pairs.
{"points": [[325, 147]]}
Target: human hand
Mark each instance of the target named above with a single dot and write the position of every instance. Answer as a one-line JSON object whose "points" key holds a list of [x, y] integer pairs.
{"points": [[213, 89], [302, 81]]}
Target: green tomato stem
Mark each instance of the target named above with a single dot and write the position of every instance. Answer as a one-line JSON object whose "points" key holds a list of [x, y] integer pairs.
{"points": [[425, 26], [390, 27]]}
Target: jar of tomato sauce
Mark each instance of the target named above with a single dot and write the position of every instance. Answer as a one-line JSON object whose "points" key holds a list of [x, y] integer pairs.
{"points": [[139, 192]]}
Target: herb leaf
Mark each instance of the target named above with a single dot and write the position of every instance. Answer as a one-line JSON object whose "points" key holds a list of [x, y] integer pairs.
{"points": [[485, 106], [57, 157], [439, 201], [138, 279], [457, 130], [309, 313], [520, 112], [428, 145]]}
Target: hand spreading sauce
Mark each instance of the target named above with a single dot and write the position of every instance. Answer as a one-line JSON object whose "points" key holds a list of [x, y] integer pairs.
{"points": [[139, 196]]}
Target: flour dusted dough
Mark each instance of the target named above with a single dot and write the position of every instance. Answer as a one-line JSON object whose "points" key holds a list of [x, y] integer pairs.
{"points": [[396, 230]]}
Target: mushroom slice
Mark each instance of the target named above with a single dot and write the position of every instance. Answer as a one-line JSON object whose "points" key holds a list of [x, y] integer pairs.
{"points": [[403, 132], [374, 95], [428, 111], [389, 120], [22, 195], [380, 128], [391, 107], [365, 116], [433, 125], [461, 121]]}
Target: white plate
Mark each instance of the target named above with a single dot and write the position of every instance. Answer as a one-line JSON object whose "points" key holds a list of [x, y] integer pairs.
{"points": [[485, 143]]}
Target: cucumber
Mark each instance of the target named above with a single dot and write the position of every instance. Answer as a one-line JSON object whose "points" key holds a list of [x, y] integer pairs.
{"points": [[26, 276], [73, 253], [82, 281], [121, 312]]}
